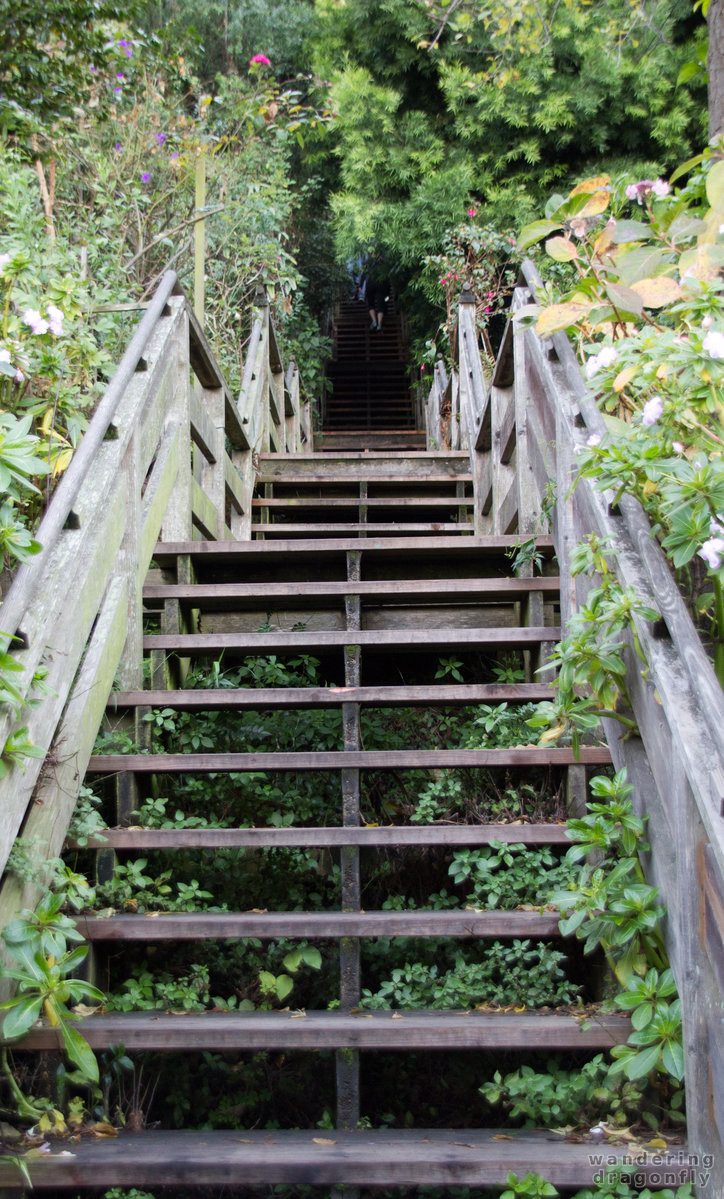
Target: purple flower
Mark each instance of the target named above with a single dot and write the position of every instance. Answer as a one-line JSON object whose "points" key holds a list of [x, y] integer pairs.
{"points": [[117, 147], [18, 376], [653, 409], [118, 90], [120, 75], [261, 59], [161, 138], [5, 356], [711, 551], [174, 155], [594, 440], [145, 177]]}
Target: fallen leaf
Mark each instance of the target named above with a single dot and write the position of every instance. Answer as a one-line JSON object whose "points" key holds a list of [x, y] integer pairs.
{"points": [[298, 1014], [323, 1141], [395, 1016], [102, 1128], [500, 1136]]}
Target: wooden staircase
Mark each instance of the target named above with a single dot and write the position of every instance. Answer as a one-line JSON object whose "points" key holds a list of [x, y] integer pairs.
{"points": [[378, 600], [369, 403]]}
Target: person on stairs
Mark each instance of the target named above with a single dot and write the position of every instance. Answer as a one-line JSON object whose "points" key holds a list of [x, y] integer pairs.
{"points": [[378, 290]]}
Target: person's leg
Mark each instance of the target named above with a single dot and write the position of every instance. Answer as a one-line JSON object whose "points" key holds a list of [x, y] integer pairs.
{"points": [[379, 319]]}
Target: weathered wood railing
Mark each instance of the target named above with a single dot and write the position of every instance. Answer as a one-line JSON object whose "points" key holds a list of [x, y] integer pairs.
{"points": [[524, 432], [153, 464]]}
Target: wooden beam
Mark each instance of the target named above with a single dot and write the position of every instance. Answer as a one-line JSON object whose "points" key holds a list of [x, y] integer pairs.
{"points": [[383, 836], [452, 1030], [399, 640], [196, 926], [415, 759], [202, 699]]}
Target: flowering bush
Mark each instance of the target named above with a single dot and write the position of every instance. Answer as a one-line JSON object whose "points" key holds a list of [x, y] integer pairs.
{"points": [[473, 253], [646, 309]]}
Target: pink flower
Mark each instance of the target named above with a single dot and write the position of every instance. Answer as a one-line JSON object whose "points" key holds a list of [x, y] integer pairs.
{"points": [[678, 447], [594, 439], [5, 356], [261, 59], [18, 376], [646, 187], [472, 212]]}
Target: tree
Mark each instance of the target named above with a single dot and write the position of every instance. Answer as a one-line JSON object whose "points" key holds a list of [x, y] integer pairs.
{"points": [[48, 51]]}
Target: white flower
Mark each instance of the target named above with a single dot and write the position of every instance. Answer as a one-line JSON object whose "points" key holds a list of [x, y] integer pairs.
{"points": [[4, 260], [713, 343], [33, 319], [652, 410], [711, 551], [4, 356], [707, 320], [715, 527], [660, 188], [594, 439], [55, 317], [605, 357], [18, 376], [678, 446]]}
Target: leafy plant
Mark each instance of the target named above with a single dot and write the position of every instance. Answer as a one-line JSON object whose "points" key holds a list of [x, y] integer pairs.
{"points": [[557, 1097], [38, 944], [504, 875]]}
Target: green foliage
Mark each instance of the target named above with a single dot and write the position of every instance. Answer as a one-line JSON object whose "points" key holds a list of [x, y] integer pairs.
{"points": [[38, 943], [557, 1097], [523, 972], [645, 303], [592, 658], [528, 1187], [503, 875], [611, 905]]}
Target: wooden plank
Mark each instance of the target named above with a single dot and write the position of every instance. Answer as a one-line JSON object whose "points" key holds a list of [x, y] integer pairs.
{"points": [[384, 1157], [234, 485], [353, 501], [195, 926], [203, 432], [400, 640], [378, 527], [166, 552], [508, 432], [383, 836], [319, 697], [226, 594], [327, 1030], [417, 759], [204, 514]]}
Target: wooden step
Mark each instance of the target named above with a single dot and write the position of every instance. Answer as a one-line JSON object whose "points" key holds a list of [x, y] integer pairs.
{"points": [[398, 759], [381, 1158], [333, 440], [384, 836], [197, 926], [354, 501], [260, 698], [373, 528], [166, 552], [331, 1030], [227, 596], [398, 640]]}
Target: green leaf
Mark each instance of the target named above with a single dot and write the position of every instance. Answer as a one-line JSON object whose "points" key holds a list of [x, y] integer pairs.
{"points": [[21, 1016], [79, 1051], [284, 985], [534, 232], [715, 186], [642, 1063]]}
